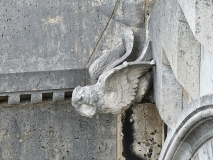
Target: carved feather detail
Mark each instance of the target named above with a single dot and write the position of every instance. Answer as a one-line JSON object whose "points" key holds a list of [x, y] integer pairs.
{"points": [[108, 58], [119, 83], [122, 83], [115, 90], [114, 57]]}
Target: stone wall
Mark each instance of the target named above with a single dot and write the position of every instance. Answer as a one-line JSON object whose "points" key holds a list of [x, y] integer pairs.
{"points": [[46, 49], [141, 132], [181, 36], [54, 131]]}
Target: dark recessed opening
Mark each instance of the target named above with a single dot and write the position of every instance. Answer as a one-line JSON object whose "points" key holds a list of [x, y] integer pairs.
{"points": [[47, 96], [165, 131], [128, 138], [3, 99], [68, 95], [25, 98]]}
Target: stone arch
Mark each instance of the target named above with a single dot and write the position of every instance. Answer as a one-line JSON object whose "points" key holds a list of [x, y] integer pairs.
{"points": [[193, 128]]}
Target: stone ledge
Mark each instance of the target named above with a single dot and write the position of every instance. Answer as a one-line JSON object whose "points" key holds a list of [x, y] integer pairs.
{"points": [[45, 80], [34, 97]]}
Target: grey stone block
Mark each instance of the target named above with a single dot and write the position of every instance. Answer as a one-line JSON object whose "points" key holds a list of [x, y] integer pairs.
{"points": [[189, 9], [171, 88], [13, 99], [199, 16], [148, 131], [36, 97], [188, 58], [33, 81], [206, 72], [58, 96], [50, 35], [56, 131]]}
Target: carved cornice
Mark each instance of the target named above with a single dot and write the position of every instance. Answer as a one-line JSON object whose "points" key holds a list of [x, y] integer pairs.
{"points": [[35, 85]]}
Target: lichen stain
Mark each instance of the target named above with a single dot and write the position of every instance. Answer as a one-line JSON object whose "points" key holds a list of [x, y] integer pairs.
{"points": [[53, 21]]}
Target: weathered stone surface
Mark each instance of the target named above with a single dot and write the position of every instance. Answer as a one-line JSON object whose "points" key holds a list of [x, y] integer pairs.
{"points": [[58, 96], [199, 15], [126, 14], [206, 72], [188, 58], [14, 99], [55, 131], [189, 9], [115, 90], [36, 97], [204, 23], [147, 131], [164, 48], [205, 151], [46, 48], [192, 128], [172, 37], [50, 35], [171, 95], [167, 90], [33, 81]]}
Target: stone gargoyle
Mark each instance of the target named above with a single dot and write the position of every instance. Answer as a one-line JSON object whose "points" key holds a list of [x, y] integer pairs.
{"points": [[119, 83]]}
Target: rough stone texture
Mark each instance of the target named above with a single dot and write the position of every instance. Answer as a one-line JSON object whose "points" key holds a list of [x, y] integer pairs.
{"points": [[169, 27], [204, 23], [199, 15], [164, 76], [36, 97], [48, 44], [46, 49], [34, 81], [167, 90], [58, 96], [127, 13], [188, 58], [147, 131], [14, 99], [206, 72], [171, 95], [50, 35], [192, 128], [189, 7], [55, 132], [172, 38], [205, 151], [181, 31]]}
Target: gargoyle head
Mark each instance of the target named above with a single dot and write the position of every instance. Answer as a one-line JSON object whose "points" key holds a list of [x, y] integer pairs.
{"points": [[84, 99]]}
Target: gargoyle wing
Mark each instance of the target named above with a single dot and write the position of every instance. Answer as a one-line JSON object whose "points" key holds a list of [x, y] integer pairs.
{"points": [[105, 60], [121, 84], [112, 58]]}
